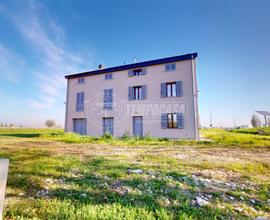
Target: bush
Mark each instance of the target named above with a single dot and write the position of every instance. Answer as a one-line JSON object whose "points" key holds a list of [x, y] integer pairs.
{"points": [[106, 136]]}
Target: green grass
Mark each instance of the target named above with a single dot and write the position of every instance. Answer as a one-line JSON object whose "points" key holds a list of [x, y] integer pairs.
{"points": [[54, 175], [241, 138]]}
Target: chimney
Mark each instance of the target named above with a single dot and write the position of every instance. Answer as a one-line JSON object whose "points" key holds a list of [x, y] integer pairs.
{"points": [[100, 66]]}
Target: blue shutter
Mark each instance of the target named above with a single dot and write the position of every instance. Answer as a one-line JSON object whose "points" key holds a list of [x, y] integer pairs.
{"points": [[144, 71], [167, 67], [104, 125], [82, 101], [105, 99], [179, 88], [130, 73], [144, 92], [110, 105], [173, 66], [164, 120], [180, 120], [163, 90], [130, 93], [78, 102]]}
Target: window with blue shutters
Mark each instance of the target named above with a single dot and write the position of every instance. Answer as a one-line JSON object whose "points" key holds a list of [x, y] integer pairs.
{"points": [[171, 89], [170, 67], [172, 120], [80, 102], [108, 99], [137, 92], [137, 72]]}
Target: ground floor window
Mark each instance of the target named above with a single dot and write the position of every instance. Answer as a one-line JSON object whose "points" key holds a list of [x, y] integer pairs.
{"points": [[79, 126], [108, 125], [171, 120]]}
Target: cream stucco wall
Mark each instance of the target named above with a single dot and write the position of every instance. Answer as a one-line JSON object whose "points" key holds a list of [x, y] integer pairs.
{"points": [[154, 105]]}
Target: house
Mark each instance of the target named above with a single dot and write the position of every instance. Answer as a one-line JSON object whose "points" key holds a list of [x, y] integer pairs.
{"points": [[156, 98]]}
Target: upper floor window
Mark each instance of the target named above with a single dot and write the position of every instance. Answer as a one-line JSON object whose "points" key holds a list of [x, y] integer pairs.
{"points": [[137, 92], [80, 102], [108, 99], [81, 80], [170, 67], [137, 72], [108, 76], [172, 120], [171, 89]]}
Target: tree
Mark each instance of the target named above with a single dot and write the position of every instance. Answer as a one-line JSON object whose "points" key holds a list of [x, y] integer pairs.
{"points": [[268, 121], [255, 121], [50, 123]]}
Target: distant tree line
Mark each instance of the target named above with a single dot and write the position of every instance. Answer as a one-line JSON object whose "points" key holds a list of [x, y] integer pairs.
{"points": [[9, 125]]}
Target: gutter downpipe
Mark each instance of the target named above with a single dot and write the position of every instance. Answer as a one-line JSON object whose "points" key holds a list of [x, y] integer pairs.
{"points": [[195, 99]]}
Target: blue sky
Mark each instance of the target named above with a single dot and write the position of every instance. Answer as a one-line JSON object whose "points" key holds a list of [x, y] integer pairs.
{"points": [[41, 41]]}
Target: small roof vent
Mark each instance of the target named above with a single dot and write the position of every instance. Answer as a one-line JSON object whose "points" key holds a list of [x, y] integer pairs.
{"points": [[100, 66]]}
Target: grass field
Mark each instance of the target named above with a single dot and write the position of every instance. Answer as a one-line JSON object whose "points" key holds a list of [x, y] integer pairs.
{"points": [[54, 175]]}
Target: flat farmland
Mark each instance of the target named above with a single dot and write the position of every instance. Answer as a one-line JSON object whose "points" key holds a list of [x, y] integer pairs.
{"points": [[53, 175]]}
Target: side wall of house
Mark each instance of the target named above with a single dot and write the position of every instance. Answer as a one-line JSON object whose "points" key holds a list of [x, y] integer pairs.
{"points": [[150, 108]]}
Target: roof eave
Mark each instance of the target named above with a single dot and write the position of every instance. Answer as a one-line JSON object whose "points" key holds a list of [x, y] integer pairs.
{"points": [[134, 65]]}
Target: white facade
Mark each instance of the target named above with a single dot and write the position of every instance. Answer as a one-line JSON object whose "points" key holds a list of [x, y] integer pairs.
{"points": [[150, 115]]}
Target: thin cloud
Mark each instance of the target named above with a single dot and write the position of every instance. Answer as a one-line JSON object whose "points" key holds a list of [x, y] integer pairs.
{"points": [[11, 64], [55, 58]]}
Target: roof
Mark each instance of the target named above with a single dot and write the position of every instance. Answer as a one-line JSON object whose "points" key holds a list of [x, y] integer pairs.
{"points": [[265, 113], [134, 65]]}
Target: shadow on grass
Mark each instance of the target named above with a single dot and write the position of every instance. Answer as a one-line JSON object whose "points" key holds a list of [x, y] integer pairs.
{"points": [[20, 135]]}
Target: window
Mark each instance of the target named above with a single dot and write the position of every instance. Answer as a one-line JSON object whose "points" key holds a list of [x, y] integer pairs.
{"points": [[81, 80], [108, 99], [170, 67], [80, 102], [171, 89], [137, 72], [137, 92], [108, 76], [172, 120]]}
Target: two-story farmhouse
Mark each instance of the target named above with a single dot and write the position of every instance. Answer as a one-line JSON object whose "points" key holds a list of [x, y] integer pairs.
{"points": [[158, 98]]}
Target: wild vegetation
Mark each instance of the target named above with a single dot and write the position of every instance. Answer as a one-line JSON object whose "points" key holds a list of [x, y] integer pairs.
{"points": [[54, 175]]}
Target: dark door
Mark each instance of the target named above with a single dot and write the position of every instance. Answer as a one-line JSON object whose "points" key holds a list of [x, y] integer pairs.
{"points": [[80, 126], [138, 126]]}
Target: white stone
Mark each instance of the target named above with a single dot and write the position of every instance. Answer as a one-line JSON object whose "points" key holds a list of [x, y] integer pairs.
{"points": [[262, 218], [83, 195], [137, 171], [201, 202]]}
